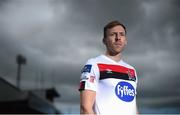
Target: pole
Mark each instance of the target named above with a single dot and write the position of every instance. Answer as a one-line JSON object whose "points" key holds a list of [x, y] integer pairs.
{"points": [[18, 75]]}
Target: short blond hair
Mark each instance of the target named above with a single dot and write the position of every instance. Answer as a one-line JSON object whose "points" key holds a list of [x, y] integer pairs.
{"points": [[111, 25]]}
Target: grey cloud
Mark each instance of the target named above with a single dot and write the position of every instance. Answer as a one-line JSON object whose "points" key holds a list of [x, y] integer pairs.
{"points": [[59, 36]]}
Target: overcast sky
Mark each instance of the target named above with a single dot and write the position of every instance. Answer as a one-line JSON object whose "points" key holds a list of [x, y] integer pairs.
{"points": [[58, 36]]}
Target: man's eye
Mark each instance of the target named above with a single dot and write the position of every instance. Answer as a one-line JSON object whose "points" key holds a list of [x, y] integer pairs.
{"points": [[122, 34], [112, 34]]}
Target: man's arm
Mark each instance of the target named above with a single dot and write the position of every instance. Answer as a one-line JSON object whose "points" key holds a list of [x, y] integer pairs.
{"points": [[137, 112], [87, 99]]}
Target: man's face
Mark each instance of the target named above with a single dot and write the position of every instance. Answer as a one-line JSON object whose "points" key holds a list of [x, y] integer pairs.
{"points": [[115, 40]]}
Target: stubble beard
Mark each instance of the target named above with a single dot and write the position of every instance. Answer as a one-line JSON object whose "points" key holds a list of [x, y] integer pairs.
{"points": [[114, 52]]}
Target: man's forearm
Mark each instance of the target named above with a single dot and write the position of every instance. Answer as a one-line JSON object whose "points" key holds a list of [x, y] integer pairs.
{"points": [[86, 111]]}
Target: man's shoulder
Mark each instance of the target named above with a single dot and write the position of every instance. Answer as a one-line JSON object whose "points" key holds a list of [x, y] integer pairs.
{"points": [[127, 64], [95, 59]]}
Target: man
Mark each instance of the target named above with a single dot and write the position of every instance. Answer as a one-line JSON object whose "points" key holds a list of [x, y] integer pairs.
{"points": [[108, 84]]}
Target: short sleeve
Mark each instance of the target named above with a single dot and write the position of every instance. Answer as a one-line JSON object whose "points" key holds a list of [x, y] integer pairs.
{"points": [[136, 76], [89, 76]]}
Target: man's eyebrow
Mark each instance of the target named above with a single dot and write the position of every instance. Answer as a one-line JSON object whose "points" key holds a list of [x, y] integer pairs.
{"points": [[117, 32], [121, 33]]}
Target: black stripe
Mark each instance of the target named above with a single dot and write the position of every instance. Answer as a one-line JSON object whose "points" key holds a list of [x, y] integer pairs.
{"points": [[82, 85], [116, 75]]}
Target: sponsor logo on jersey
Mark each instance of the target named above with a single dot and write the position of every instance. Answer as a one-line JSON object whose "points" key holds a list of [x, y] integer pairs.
{"points": [[109, 71], [91, 79], [86, 68], [125, 91]]}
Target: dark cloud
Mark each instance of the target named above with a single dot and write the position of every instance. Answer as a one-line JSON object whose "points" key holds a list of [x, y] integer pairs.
{"points": [[57, 38]]}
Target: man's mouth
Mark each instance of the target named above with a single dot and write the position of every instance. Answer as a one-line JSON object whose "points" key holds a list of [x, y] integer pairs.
{"points": [[118, 44]]}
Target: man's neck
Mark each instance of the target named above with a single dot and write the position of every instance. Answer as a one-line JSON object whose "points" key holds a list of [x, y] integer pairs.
{"points": [[116, 57]]}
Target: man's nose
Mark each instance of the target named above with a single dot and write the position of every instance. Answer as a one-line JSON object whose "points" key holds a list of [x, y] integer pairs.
{"points": [[118, 37]]}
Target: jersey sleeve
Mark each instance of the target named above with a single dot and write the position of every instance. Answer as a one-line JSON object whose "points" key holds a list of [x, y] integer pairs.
{"points": [[136, 81], [136, 76], [89, 77]]}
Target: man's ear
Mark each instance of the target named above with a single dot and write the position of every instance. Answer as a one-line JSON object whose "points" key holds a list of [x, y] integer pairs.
{"points": [[104, 41]]}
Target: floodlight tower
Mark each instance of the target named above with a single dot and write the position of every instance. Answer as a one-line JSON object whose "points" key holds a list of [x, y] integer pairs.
{"points": [[20, 60]]}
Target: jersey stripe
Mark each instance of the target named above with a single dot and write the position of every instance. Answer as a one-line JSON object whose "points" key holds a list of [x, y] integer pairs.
{"points": [[116, 68], [116, 75], [82, 85], [116, 71]]}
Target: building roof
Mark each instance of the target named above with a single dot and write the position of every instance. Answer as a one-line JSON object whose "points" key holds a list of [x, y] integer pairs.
{"points": [[11, 96]]}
